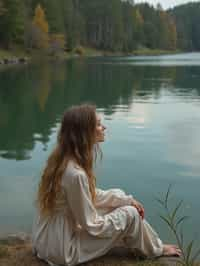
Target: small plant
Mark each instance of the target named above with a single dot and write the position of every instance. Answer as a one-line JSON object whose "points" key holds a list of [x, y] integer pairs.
{"points": [[3, 252], [79, 50], [175, 225]]}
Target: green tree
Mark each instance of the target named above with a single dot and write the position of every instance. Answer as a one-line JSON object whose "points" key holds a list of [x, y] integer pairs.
{"points": [[54, 15], [138, 28], [172, 35], [116, 25], [2, 9], [12, 22], [68, 12], [167, 31], [149, 24], [151, 33], [187, 20], [103, 22], [128, 27]]}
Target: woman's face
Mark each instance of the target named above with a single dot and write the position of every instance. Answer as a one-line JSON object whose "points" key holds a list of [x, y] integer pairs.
{"points": [[100, 128]]}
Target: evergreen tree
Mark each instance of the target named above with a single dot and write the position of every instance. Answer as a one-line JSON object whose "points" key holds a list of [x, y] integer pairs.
{"points": [[172, 35], [12, 22], [150, 25], [94, 13], [103, 22], [110, 25], [69, 19], [2, 9], [117, 25], [128, 27], [138, 28], [187, 20], [53, 11]]}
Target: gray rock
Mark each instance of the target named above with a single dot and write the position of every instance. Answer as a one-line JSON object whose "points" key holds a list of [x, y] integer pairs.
{"points": [[23, 60]]}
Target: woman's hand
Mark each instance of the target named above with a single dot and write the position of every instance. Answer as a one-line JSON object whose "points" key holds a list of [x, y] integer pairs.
{"points": [[139, 207]]}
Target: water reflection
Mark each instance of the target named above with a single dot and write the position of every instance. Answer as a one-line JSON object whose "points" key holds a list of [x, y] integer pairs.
{"points": [[33, 98], [184, 146]]}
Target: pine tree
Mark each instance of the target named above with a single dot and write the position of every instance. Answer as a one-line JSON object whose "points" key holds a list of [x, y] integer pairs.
{"points": [[2, 9], [172, 35], [138, 23], [68, 13], [12, 22], [54, 15], [163, 30]]}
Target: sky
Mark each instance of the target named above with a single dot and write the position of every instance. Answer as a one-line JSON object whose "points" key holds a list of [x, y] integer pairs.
{"points": [[166, 3]]}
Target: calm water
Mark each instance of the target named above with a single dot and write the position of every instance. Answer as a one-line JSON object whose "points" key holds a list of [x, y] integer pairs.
{"points": [[151, 107]]}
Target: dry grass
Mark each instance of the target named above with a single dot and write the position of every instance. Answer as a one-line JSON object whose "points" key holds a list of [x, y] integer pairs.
{"points": [[3, 252], [20, 256]]}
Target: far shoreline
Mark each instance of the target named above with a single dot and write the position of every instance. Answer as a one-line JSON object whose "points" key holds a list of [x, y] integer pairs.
{"points": [[19, 56]]}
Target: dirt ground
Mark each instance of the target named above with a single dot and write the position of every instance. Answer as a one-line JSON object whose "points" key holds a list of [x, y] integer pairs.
{"points": [[18, 252]]}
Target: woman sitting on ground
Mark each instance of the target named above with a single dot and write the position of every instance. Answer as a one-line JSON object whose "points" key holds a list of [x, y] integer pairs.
{"points": [[76, 221]]}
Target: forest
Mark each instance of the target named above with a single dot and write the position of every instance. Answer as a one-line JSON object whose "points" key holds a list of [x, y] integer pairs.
{"points": [[113, 25]]}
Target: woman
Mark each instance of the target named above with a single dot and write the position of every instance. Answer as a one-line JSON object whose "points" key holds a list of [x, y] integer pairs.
{"points": [[78, 222]]}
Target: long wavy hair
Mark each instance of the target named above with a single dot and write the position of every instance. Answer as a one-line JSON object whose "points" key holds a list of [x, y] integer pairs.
{"points": [[76, 141]]}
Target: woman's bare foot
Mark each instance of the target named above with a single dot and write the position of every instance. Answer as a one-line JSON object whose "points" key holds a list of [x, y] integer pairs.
{"points": [[171, 250]]}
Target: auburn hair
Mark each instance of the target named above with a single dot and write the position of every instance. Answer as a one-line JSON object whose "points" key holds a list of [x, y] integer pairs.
{"points": [[75, 141]]}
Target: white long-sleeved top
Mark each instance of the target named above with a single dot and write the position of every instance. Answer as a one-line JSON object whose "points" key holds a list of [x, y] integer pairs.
{"points": [[79, 230]]}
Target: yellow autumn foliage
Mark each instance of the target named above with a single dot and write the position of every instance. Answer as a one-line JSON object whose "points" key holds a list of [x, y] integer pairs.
{"points": [[41, 28]]}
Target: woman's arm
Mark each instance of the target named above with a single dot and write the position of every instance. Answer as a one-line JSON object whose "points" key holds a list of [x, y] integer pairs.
{"points": [[112, 198]]}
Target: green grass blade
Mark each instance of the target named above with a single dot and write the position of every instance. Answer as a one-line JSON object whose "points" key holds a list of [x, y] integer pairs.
{"points": [[166, 220], [176, 209], [181, 238], [188, 251], [195, 256], [182, 219], [167, 196]]}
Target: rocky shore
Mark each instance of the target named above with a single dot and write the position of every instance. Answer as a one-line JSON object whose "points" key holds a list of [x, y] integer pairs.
{"points": [[14, 60], [17, 251]]}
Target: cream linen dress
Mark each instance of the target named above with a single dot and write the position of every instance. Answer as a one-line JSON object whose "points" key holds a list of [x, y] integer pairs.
{"points": [[79, 230]]}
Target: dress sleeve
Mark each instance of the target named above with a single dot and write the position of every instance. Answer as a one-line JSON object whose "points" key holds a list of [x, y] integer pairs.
{"points": [[112, 198], [84, 212]]}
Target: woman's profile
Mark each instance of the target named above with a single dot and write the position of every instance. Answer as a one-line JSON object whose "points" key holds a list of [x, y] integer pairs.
{"points": [[76, 221]]}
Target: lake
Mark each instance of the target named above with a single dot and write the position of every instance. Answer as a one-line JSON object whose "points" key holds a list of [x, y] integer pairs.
{"points": [[151, 108]]}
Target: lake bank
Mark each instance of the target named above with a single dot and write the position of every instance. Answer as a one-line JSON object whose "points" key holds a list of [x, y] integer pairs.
{"points": [[18, 251], [14, 56], [18, 55]]}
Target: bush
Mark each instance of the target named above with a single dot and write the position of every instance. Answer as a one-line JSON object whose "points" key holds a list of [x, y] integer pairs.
{"points": [[79, 50]]}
